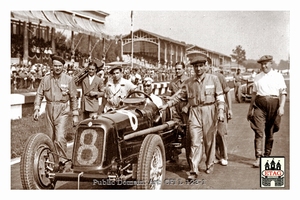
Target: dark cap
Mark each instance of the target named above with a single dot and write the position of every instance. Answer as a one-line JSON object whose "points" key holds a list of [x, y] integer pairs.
{"points": [[199, 59], [115, 67], [265, 58], [58, 58]]}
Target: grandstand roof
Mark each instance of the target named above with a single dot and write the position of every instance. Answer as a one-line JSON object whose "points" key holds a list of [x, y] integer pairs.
{"points": [[88, 22]]}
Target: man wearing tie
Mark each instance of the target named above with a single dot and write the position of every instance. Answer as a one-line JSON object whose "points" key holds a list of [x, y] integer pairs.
{"points": [[92, 89]]}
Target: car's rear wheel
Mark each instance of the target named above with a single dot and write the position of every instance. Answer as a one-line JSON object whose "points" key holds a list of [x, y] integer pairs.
{"points": [[151, 163], [36, 161]]}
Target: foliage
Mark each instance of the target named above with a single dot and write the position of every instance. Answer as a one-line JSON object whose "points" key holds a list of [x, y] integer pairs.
{"points": [[109, 48], [252, 64], [239, 54], [60, 42], [283, 64]]}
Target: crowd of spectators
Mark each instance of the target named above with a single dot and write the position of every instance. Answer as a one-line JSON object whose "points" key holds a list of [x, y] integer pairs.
{"points": [[28, 76]]}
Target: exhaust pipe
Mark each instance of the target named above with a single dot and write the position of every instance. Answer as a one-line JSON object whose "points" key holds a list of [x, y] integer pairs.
{"points": [[168, 124]]}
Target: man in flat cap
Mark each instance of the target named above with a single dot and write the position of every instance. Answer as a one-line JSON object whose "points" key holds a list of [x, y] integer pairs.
{"points": [[58, 89], [206, 100], [117, 88], [266, 107]]}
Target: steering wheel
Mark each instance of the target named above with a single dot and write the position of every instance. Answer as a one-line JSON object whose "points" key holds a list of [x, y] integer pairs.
{"points": [[138, 92]]}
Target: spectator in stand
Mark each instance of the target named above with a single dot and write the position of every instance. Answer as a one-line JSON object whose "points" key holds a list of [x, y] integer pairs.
{"points": [[38, 52], [39, 75], [155, 75], [22, 78], [32, 78], [48, 51], [127, 74], [14, 77], [135, 77], [163, 75]]}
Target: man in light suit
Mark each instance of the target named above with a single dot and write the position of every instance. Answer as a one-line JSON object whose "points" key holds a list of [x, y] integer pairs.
{"points": [[92, 89]]}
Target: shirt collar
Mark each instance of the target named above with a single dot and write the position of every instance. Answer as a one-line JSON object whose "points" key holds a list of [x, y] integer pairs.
{"points": [[182, 78], [200, 79]]}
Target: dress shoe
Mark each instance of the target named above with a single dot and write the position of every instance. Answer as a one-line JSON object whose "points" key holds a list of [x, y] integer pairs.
{"points": [[256, 163], [216, 161], [224, 162], [210, 169], [192, 176]]}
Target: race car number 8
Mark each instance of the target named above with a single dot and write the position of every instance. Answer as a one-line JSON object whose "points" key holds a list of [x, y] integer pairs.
{"points": [[87, 152]]}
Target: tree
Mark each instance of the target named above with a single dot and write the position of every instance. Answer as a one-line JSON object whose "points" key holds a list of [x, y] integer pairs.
{"points": [[239, 55], [60, 42], [251, 64], [284, 64]]}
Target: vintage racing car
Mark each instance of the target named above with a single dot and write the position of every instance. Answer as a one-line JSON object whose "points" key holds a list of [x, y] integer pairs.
{"points": [[132, 143], [245, 91]]}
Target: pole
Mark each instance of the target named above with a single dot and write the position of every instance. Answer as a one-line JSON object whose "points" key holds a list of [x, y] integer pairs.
{"points": [[131, 39]]}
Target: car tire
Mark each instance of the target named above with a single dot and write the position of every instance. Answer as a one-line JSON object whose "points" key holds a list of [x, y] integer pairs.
{"points": [[33, 166], [151, 163]]}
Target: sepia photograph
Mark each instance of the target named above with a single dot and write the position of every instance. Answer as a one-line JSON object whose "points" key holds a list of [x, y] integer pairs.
{"points": [[144, 98]]}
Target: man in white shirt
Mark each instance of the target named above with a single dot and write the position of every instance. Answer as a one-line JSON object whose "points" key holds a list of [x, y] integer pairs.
{"points": [[266, 107], [117, 88], [135, 77]]}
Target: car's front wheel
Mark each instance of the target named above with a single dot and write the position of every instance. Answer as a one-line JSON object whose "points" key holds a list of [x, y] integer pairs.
{"points": [[36, 161], [151, 163]]}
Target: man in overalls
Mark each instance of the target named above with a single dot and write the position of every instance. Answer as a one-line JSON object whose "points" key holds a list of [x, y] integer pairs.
{"points": [[206, 100], [58, 89]]}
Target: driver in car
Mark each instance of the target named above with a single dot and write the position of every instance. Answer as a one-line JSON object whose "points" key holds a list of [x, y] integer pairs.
{"points": [[117, 88], [148, 89]]}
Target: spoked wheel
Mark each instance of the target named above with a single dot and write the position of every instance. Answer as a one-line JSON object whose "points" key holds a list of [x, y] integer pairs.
{"points": [[37, 161], [151, 163]]}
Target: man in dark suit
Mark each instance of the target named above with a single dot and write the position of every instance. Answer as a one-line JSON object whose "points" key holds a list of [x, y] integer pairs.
{"points": [[92, 89]]}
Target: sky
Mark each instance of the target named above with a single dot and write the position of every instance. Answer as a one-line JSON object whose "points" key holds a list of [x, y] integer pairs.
{"points": [[258, 32]]}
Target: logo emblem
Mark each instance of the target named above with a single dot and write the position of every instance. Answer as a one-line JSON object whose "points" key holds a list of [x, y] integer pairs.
{"points": [[272, 171]]}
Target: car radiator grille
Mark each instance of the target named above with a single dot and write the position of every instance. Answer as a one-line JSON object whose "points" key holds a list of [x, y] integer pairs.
{"points": [[88, 147]]}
